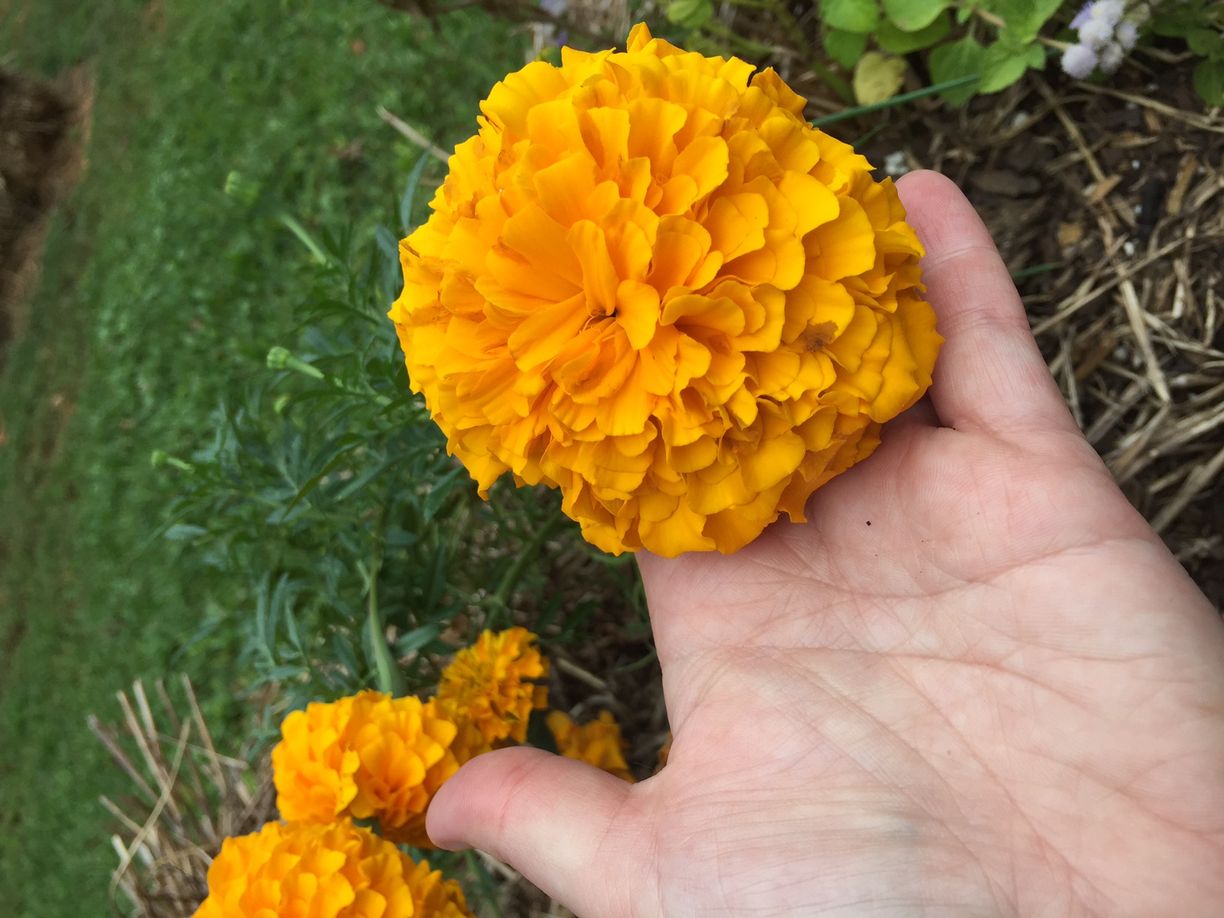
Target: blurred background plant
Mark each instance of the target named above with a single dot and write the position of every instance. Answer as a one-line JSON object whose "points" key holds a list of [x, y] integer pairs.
{"points": [[214, 297]]}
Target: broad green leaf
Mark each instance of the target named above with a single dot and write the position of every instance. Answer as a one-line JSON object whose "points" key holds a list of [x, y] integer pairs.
{"points": [[851, 15], [877, 77], [845, 47], [896, 41], [912, 15], [1206, 42], [1209, 81], [1003, 64], [692, 14], [954, 60], [1025, 18]]}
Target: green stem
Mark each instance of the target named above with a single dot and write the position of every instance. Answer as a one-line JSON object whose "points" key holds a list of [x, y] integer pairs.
{"points": [[895, 100], [291, 223], [487, 886], [390, 679], [501, 599]]}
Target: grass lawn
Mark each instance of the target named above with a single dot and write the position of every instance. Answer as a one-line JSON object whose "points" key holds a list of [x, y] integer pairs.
{"points": [[159, 294]]}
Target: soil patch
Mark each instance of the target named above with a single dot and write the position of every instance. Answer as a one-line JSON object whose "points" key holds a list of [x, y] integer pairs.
{"points": [[43, 127]]}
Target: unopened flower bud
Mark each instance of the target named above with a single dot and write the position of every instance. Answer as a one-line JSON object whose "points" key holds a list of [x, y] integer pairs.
{"points": [[278, 358]]}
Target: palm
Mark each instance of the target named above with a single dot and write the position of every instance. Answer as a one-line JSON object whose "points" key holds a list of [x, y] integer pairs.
{"points": [[957, 688], [975, 683]]}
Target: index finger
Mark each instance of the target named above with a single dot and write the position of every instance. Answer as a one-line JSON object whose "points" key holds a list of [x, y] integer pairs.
{"points": [[990, 374]]}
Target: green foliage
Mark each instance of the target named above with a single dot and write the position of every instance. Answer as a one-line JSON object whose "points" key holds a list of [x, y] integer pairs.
{"points": [[1201, 26], [995, 41], [159, 300]]}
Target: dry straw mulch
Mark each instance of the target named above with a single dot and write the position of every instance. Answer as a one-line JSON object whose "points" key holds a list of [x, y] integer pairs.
{"points": [[186, 799], [1106, 204]]}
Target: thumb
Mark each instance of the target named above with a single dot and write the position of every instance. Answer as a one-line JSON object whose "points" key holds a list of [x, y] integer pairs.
{"points": [[576, 832]]}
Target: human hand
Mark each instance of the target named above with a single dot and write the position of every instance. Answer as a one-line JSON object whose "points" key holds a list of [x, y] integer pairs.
{"points": [[975, 683]]}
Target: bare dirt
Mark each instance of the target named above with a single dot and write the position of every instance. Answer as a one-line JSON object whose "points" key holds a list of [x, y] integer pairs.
{"points": [[43, 127]]}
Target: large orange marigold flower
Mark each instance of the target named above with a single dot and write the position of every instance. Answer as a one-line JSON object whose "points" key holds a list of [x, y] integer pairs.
{"points": [[369, 756], [326, 871], [649, 282], [489, 691], [597, 742]]}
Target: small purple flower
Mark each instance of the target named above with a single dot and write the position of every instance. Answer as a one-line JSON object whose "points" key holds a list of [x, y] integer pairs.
{"points": [[1078, 61], [1128, 34], [1082, 16]]}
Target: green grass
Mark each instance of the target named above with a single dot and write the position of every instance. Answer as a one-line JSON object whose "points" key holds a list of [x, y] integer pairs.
{"points": [[160, 295]]}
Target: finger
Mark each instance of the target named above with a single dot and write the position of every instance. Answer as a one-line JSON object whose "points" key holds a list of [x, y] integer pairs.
{"points": [[990, 374], [569, 828]]}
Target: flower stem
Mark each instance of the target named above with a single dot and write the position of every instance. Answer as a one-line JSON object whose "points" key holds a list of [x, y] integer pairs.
{"points": [[390, 679], [855, 112]]}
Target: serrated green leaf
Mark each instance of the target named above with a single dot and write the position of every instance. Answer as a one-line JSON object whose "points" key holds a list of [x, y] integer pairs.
{"points": [[851, 15], [912, 15], [956, 60], [845, 47], [877, 77], [897, 41], [1025, 18], [1209, 81]]}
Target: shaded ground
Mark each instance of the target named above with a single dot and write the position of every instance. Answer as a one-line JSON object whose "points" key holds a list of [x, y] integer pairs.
{"points": [[41, 142]]}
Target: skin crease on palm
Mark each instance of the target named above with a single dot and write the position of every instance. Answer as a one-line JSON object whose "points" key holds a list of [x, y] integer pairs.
{"points": [[975, 683]]}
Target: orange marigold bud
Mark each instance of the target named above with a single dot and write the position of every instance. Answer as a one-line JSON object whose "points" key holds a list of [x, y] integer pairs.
{"points": [[598, 742], [649, 282], [369, 756], [488, 691]]}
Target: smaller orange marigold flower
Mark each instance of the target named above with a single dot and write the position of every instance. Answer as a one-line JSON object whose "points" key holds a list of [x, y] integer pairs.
{"points": [[324, 871], [598, 742], [434, 896], [403, 746], [313, 764], [369, 756], [488, 690]]}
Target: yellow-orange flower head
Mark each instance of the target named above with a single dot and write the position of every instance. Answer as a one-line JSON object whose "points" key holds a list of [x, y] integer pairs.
{"points": [[649, 282], [489, 690], [325, 871], [370, 757], [436, 897], [598, 742]]}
